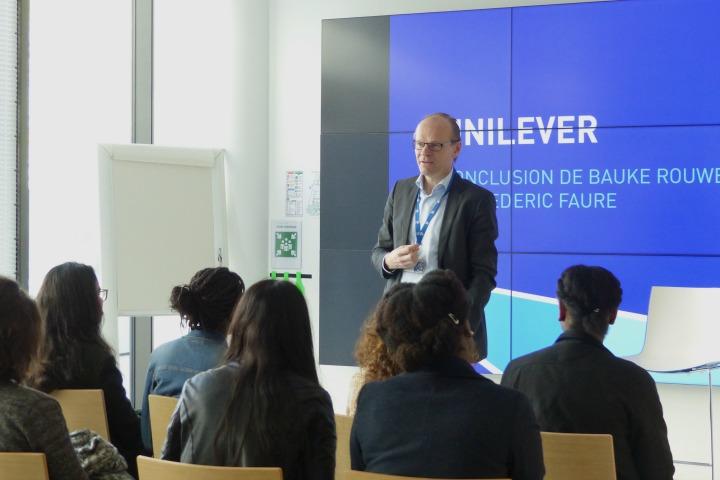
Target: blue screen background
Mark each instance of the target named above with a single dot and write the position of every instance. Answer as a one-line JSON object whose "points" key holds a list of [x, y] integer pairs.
{"points": [[647, 71]]}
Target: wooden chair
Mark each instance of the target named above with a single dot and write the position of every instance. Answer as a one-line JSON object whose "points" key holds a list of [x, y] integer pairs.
{"points": [[354, 475], [84, 409], [156, 469], [343, 425], [161, 409], [23, 466], [569, 456]]}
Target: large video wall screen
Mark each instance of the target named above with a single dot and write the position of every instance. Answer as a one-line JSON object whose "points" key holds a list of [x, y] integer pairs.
{"points": [[596, 126]]}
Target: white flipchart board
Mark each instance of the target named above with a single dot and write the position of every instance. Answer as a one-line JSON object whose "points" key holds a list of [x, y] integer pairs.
{"points": [[163, 217]]}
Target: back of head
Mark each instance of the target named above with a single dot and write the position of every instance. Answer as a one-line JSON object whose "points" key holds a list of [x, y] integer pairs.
{"points": [[208, 300], [270, 340], [20, 332], [591, 295], [68, 302], [426, 321], [71, 311], [270, 330]]}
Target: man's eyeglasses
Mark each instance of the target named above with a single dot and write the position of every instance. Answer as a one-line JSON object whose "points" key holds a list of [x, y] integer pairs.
{"points": [[433, 146], [102, 293]]}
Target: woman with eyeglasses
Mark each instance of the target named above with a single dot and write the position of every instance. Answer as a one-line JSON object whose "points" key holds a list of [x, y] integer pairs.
{"points": [[205, 304], [75, 355], [264, 407], [440, 418]]}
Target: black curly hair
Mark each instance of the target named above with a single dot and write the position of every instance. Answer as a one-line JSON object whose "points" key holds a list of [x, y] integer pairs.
{"points": [[208, 300]]}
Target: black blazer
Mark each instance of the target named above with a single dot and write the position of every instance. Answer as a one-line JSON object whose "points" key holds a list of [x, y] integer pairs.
{"points": [[445, 421], [467, 241], [101, 371], [578, 386]]}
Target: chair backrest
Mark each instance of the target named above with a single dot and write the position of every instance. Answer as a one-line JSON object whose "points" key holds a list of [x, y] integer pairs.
{"points": [[161, 409], [23, 466], [84, 409], [156, 469], [343, 425], [569, 456], [681, 316], [353, 475]]}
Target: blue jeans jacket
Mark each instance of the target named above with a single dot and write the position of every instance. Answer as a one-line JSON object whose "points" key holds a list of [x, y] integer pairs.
{"points": [[172, 363]]}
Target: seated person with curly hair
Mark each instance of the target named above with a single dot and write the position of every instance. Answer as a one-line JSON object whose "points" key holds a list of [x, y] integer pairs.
{"points": [[205, 304], [440, 418], [372, 358]]}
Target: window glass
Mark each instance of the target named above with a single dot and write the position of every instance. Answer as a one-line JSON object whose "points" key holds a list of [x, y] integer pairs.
{"points": [[8, 137], [80, 94], [166, 328]]}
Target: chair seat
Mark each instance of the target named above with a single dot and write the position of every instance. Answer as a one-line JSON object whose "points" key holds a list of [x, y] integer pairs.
{"points": [[682, 330], [355, 475], [23, 466], [156, 469]]}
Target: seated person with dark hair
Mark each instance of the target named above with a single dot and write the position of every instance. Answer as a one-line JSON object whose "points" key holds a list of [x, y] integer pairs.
{"points": [[578, 386], [205, 304], [440, 418], [30, 421]]}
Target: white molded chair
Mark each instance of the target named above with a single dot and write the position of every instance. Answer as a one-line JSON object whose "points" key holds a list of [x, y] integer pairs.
{"points": [[683, 328]]}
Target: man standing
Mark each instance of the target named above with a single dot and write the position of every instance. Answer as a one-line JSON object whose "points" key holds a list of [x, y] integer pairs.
{"points": [[440, 220]]}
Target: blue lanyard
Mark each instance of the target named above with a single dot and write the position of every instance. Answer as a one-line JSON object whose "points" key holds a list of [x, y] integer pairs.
{"points": [[420, 231]]}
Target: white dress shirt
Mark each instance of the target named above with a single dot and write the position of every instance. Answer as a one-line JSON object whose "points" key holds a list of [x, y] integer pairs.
{"points": [[431, 240]]}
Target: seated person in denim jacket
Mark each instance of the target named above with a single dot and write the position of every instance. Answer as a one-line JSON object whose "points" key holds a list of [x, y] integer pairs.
{"points": [[205, 304]]}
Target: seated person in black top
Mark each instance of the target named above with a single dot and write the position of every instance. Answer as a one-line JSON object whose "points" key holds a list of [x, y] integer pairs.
{"points": [[76, 356], [578, 386], [440, 418]]}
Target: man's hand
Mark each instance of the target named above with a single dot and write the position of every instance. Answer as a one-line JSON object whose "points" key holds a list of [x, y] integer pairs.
{"points": [[402, 258]]}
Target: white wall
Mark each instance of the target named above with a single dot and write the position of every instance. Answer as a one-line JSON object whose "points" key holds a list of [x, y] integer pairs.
{"points": [[211, 90], [293, 118]]}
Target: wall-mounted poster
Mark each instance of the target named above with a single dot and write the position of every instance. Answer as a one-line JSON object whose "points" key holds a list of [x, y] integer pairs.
{"points": [[286, 245]]}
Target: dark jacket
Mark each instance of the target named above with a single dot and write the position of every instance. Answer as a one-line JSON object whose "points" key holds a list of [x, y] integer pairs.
{"points": [[173, 363], [445, 421], [31, 421], [101, 372], [467, 241], [306, 450], [578, 386]]}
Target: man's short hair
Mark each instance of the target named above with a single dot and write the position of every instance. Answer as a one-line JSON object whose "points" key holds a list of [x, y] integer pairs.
{"points": [[451, 120]]}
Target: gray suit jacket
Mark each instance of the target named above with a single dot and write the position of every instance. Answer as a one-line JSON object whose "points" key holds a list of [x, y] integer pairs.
{"points": [[467, 241]]}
